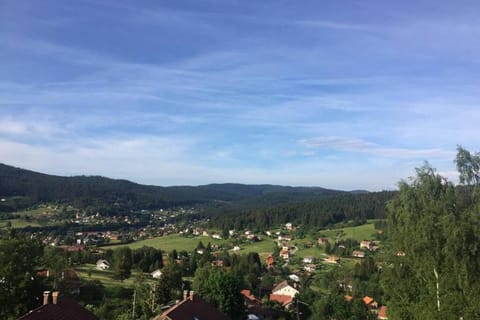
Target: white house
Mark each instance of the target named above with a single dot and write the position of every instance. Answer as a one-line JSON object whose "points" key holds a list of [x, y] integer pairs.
{"points": [[103, 264], [309, 259], [157, 274], [284, 289], [294, 277], [310, 267], [236, 248]]}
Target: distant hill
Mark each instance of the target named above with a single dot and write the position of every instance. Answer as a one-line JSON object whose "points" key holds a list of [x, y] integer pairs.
{"points": [[112, 194]]}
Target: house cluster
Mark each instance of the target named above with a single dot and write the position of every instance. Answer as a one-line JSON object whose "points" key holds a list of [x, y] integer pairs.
{"points": [[283, 294], [372, 305]]}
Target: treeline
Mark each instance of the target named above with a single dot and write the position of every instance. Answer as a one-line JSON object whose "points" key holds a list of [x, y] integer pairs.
{"points": [[23, 188], [356, 207]]}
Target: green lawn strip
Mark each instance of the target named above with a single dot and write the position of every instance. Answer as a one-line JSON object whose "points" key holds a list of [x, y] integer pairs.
{"points": [[21, 223], [359, 233], [106, 276], [171, 242]]}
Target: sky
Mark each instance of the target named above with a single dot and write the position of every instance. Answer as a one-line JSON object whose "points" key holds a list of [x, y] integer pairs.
{"points": [[338, 94]]}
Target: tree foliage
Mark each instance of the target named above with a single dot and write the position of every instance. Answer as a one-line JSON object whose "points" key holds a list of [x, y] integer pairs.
{"points": [[220, 288], [431, 269], [18, 285]]}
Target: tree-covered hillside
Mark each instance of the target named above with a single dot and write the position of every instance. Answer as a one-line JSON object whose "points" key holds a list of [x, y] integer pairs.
{"points": [[117, 195]]}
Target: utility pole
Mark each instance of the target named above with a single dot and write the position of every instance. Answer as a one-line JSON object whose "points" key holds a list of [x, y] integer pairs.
{"points": [[133, 307], [154, 291], [438, 293]]}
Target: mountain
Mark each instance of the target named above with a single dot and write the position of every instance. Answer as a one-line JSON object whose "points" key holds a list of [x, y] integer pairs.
{"points": [[34, 187]]}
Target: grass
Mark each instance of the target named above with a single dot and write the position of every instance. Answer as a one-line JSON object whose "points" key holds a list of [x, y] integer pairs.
{"points": [[171, 242], [20, 223], [359, 233], [106, 276]]}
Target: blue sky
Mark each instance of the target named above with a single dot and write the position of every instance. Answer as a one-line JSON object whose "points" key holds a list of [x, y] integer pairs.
{"points": [[339, 94]]}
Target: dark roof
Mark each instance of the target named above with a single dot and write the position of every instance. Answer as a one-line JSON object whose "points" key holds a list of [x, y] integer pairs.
{"points": [[193, 307], [65, 309]]}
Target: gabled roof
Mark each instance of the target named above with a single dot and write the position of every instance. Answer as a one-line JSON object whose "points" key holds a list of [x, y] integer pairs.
{"points": [[248, 295], [65, 309], [382, 313], [367, 300], [280, 286], [192, 307], [281, 298]]}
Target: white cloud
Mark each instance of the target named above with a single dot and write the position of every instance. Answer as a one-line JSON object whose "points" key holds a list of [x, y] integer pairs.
{"points": [[349, 144]]}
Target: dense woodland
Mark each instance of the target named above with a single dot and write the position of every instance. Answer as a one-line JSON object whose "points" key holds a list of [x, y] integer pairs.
{"points": [[25, 188]]}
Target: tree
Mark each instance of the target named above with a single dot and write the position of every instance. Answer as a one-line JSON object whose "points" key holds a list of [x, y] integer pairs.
{"points": [[220, 288], [436, 276], [170, 284], [468, 166], [18, 286], [56, 262], [122, 263]]}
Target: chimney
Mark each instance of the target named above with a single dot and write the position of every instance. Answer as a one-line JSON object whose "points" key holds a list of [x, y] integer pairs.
{"points": [[192, 293], [55, 296], [46, 295], [185, 294]]}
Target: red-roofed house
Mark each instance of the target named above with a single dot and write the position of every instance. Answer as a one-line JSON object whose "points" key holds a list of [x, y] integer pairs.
{"points": [[249, 296], [370, 302], [270, 261], [58, 307], [284, 300], [283, 288], [192, 307], [382, 313]]}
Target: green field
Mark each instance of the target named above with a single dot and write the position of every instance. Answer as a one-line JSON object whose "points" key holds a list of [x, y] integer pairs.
{"points": [[106, 276], [359, 233], [264, 247], [171, 242], [20, 223]]}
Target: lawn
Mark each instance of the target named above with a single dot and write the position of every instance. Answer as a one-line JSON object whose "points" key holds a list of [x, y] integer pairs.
{"points": [[359, 233], [20, 223], [179, 243], [106, 276], [170, 242]]}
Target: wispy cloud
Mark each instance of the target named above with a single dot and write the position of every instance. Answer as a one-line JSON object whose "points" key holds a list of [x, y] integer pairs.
{"points": [[358, 145]]}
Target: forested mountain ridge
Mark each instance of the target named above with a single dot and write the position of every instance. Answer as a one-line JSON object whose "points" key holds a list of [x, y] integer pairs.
{"points": [[87, 190]]}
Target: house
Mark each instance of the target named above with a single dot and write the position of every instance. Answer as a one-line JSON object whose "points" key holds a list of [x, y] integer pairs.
{"points": [[294, 277], [322, 241], [249, 297], [191, 307], [287, 237], [358, 254], [310, 267], [283, 288], [285, 254], [332, 259], [270, 261], [382, 313], [103, 264], [157, 274], [56, 306], [289, 226], [284, 300], [217, 236], [401, 254], [309, 259], [348, 298], [236, 248], [365, 244], [370, 302]]}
